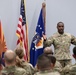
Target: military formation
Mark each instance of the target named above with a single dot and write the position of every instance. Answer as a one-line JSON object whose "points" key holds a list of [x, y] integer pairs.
{"points": [[48, 63]]}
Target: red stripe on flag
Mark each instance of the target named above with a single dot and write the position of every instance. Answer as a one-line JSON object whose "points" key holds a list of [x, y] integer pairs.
{"points": [[20, 19], [18, 32]]}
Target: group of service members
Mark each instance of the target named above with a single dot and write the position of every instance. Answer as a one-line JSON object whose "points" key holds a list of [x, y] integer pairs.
{"points": [[46, 64]]}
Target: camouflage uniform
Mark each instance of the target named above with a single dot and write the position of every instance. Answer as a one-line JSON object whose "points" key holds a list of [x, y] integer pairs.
{"points": [[61, 43], [28, 67], [69, 70], [47, 72], [57, 67], [13, 70]]}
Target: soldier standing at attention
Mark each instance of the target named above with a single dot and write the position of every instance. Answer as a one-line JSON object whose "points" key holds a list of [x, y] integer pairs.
{"points": [[10, 68], [61, 42]]}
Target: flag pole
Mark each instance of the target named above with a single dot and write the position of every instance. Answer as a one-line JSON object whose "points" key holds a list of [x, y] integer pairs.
{"points": [[27, 33], [44, 13]]}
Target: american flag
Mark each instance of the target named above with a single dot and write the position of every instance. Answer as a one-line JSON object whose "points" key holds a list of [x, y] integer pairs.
{"points": [[22, 31]]}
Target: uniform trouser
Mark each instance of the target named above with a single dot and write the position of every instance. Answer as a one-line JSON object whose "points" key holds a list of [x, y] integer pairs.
{"points": [[65, 62]]}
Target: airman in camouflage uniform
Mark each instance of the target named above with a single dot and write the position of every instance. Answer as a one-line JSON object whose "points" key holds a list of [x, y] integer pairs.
{"points": [[61, 42], [47, 72], [27, 66], [45, 66], [70, 69], [10, 68], [20, 62], [13, 70], [48, 51]]}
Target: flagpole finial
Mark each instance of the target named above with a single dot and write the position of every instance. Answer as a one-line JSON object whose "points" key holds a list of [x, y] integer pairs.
{"points": [[43, 4], [44, 13]]}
